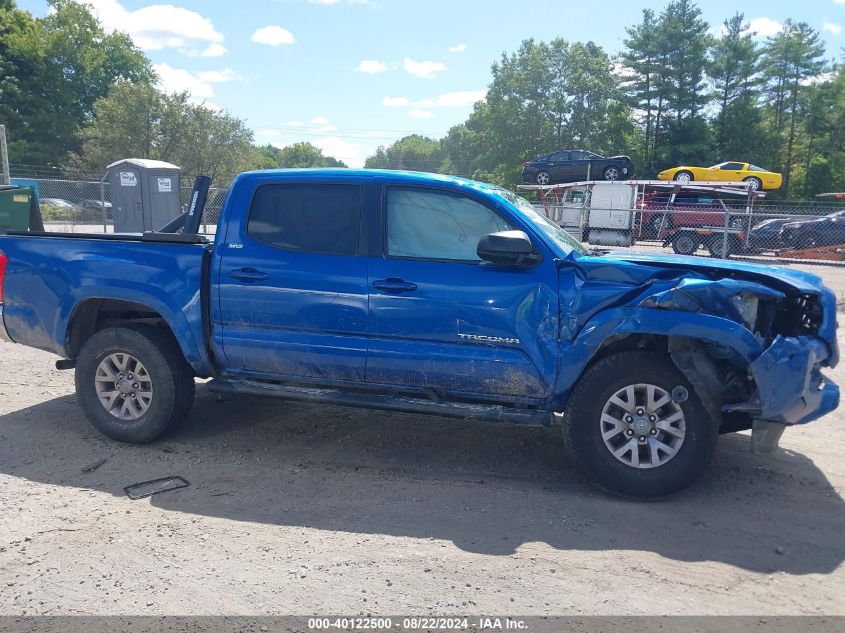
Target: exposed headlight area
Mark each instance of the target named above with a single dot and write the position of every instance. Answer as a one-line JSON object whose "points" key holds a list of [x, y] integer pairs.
{"points": [[799, 315]]}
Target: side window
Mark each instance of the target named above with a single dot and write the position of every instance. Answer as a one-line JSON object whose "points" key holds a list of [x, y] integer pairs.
{"points": [[580, 156], [558, 156], [732, 166], [318, 218], [425, 224]]}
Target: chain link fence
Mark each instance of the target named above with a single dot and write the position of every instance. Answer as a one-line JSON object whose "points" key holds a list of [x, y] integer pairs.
{"points": [[85, 206], [776, 233], [771, 232]]}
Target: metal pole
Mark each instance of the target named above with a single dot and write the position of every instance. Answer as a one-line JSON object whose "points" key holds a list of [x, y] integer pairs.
{"points": [[4, 155]]}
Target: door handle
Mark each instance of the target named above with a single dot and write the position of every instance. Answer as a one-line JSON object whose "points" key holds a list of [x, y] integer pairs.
{"points": [[249, 274], [394, 285]]}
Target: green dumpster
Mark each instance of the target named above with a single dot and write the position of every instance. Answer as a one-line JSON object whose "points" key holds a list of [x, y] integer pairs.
{"points": [[15, 205]]}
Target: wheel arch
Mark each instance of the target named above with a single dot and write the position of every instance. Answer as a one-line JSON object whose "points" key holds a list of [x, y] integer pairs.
{"points": [[93, 312], [661, 330]]}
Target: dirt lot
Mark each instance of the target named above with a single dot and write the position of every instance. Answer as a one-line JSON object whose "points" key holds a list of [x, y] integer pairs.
{"points": [[303, 509]]}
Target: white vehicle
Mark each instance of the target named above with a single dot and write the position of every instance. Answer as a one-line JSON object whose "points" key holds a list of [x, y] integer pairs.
{"points": [[605, 213]]}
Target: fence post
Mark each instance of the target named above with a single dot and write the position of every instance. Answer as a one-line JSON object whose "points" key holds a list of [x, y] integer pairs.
{"points": [[725, 237], [4, 156]]}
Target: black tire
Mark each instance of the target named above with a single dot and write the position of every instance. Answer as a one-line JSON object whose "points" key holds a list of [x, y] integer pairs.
{"points": [[657, 222], [543, 178], [756, 183], [583, 427], [684, 172], [612, 173], [684, 244], [716, 244], [171, 378]]}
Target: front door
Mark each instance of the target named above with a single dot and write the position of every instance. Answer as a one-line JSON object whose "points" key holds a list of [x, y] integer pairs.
{"points": [[442, 319], [292, 288]]}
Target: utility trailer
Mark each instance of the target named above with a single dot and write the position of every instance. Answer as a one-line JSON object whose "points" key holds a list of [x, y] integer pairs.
{"points": [[620, 213]]}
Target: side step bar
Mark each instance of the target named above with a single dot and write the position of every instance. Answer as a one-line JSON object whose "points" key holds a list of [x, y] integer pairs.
{"points": [[387, 402]]}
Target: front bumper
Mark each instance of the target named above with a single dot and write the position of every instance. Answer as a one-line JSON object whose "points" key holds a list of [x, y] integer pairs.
{"points": [[790, 385]]}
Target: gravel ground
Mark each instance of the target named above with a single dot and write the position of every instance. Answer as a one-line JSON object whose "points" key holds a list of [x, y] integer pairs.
{"points": [[303, 509]]}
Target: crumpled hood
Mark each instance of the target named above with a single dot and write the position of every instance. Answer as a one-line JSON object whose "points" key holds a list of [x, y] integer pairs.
{"points": [[632, 279], [782, 278]]}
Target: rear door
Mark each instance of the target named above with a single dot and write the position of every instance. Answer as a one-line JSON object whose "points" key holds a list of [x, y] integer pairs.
{"points": [[292, 288], [559, 166], [441, 319]]}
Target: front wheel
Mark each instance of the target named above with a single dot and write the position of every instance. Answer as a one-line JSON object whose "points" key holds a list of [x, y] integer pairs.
{"points": [[133, 383], [636, 427], [612, 173], [684, 176]]}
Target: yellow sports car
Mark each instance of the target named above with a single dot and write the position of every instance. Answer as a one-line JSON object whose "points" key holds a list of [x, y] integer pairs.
{"points": [[757, 177]]}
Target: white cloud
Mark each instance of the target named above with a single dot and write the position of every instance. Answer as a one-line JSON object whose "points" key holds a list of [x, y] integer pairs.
{"points": [[765, 26], [178, 79], [159, 26], [423, 70], [295, 123], [458, 48], [273, 36], [200, 86], [832, 27], [213, 50], [371, 66], [819, 79], [421, 114], [459, 99], [321, 124], [217, 76], [366, 3], [350, 153], [838, 1]]}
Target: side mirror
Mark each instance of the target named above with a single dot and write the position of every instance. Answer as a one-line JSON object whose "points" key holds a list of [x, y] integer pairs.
{"points": [[508, 248]]}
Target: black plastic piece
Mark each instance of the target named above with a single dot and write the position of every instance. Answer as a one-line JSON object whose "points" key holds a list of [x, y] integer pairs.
{"points": [[145, 489], [199, 197]]}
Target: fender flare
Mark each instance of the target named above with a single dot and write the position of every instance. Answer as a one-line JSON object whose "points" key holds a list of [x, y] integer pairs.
{"points": [[176, 320], [577, 354]]}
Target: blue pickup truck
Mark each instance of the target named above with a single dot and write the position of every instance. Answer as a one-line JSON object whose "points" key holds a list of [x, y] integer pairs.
{"points": [[428, 294]]}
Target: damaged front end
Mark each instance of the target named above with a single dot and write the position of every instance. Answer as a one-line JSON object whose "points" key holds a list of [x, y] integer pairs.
{"points": [[777, 383]]}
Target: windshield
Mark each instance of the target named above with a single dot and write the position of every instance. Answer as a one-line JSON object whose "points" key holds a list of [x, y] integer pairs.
{"points": [[563, 240]]}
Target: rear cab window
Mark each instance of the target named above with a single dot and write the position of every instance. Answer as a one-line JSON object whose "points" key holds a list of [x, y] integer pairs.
{"points": [[310, 217]]}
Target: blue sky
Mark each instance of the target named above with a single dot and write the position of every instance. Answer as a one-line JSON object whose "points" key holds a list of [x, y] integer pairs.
{"points": [[349, 75]]}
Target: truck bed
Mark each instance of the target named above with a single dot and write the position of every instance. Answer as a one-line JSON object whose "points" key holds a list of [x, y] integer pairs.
{"points": [[50, 275]]}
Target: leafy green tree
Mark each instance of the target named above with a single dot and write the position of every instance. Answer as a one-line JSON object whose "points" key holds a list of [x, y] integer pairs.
{"points": [[687, 42], [23, 105], [54, 70], [414, 152], [644, 59], [140, 121], [734, 72], [793, 58]]}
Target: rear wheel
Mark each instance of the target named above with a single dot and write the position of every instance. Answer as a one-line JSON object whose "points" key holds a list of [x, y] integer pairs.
{"points": [[544, 178], [684, 176], [685, 244], [636, 427], [133, 383], [756, 183]]}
